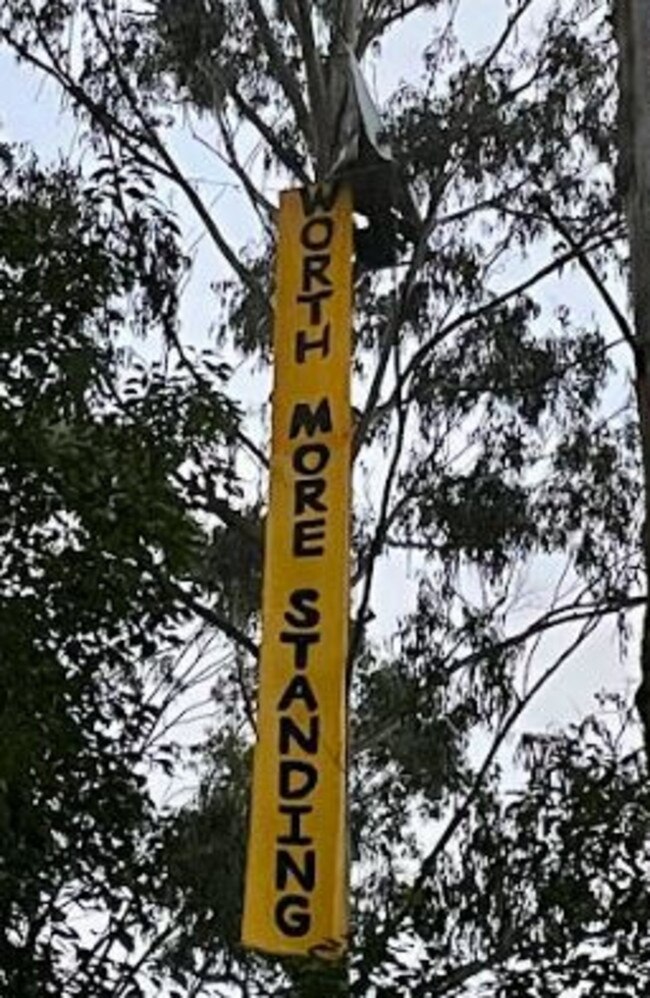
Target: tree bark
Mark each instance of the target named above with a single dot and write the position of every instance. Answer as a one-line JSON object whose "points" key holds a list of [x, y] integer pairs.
{"points": [[632, 23]]}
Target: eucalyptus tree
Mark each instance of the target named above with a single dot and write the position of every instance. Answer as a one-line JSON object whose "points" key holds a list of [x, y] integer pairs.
{"points": [[632, 26], [496, 454]]}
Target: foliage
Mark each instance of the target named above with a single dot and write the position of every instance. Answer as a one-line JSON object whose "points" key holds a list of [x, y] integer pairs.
{"points": [[496, 444], [96, 540]]}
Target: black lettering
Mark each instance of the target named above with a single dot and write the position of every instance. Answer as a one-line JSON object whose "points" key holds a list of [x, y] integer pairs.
{"points": [[292, 915], [314, 269], [287, 865], [323, 238], [307, 535], [295, 837], [305, 740], [314, 299], [318, 197], [302, 643], [297, 779], [307, 494], [298, 689], [306, 615], [305, 418], [303, 345], [302, 459]]}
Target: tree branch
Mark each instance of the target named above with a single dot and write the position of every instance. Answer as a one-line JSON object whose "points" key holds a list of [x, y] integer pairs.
{"points": [[284, 74], [265, 210], [289, 159], [205, 389], [300, 14], [502, 41], [380, 533], [421, 355], [216, 620], [176, 173], [392, 330], [428, 865], [373, 26], [558, 617], [593, 275]]}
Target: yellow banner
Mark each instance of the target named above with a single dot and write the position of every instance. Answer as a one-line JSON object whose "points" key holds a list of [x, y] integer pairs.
{"points": [[296, 878]]}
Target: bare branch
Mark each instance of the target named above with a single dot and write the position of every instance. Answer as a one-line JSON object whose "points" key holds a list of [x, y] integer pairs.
{"points": [[502, 41], [391, 332], [300, 14], [428, 865], [373, 26], [176, 173], [377, 543], [287, 157], [265, 210], [284, 73], [130, 975], [582, 257], [421, 355], [215, 619]]}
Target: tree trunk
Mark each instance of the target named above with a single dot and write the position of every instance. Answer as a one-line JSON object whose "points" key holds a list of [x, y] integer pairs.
{"points": [[632, 18]]}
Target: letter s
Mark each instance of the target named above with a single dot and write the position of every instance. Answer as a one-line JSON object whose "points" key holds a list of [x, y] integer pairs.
{"points": [[306, 615]]}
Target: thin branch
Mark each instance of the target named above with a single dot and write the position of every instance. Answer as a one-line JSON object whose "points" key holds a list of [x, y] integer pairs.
{"points": [[372, 26], [428, 865], [93, 956], [215, 619], [455, 978], [493, 203], [364, 563], [377, 543], [265, 210], [284, 73], [289, 159], [179, 687], [246, 697], [392, 330], [593, 275], [204, 387], [184, 716], [560, 617], [502, 41], [180, 682], [167, 168], [300, 14], [130, 975], [97, 113], [421, 355], [232, 519], [176, 173]]}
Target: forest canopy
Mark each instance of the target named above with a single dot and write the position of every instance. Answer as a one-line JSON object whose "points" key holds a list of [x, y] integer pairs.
{"points": [[499, 803]]}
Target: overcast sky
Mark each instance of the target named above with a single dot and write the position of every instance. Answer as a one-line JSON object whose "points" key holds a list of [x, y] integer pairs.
{"points": [[31, 112]]}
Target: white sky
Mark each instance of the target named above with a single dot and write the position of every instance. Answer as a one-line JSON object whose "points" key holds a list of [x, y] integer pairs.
{"points": [[31, 112]]}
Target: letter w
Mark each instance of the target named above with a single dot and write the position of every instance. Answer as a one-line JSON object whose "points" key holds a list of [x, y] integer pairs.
{"points": [[317, 196], [308, 419]]}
